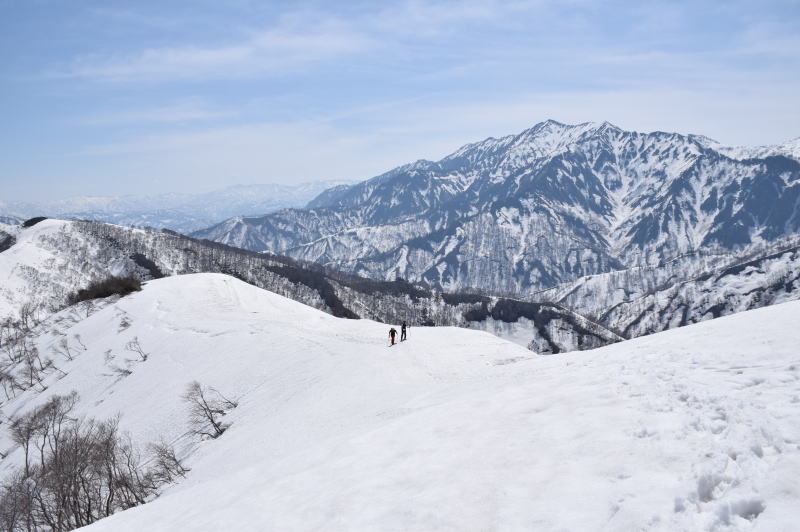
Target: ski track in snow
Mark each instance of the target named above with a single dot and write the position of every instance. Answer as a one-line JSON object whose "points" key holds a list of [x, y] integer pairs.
{"points": [[696, 428]]}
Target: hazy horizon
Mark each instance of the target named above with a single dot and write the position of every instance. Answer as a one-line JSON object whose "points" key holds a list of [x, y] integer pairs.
{"points": [[145, 194], [223, 186], [103, 99]]}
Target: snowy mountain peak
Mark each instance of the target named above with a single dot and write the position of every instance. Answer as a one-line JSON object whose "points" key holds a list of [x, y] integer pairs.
{"points": [[542, 207]]}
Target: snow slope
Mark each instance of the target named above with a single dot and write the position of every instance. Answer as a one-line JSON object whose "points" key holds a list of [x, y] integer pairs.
{"points": [[49, 261], [35, 269], [43, 264], [697, 428], [789, 148]]}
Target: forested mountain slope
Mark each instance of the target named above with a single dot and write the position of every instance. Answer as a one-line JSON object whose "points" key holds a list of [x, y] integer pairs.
{"points": [[54, 258]]}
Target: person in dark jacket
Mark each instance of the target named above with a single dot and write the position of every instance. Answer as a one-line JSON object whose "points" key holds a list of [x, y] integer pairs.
{"points": [[392, 334], [403, 332]]}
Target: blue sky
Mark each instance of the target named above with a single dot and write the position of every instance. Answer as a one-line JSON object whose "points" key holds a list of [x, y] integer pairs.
{"points": [[106, 98]]}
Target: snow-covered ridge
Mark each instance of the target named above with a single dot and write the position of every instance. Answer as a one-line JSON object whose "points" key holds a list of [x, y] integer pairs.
{"points": [[54, 258], [789, 148], [630, 302], [692, 429], [641, 301], [38, 269]]}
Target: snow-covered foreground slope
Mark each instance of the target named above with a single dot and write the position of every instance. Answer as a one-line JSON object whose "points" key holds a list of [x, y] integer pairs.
{"points": [[696, 428]]}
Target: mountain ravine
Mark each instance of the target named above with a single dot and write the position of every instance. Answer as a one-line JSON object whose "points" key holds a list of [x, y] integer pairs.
{"points": [[531, 211]]}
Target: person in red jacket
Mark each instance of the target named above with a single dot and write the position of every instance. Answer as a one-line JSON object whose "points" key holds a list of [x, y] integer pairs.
{"points": [[392, 334]]}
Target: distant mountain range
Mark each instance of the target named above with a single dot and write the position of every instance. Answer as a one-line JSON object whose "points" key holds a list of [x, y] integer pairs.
{"points": [[535, 210], [10, 220], [561, 237], [183, 212]]}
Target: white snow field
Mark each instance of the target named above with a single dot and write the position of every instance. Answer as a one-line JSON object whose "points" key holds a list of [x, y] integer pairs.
{"points": [[696, 428], [38, 270]]}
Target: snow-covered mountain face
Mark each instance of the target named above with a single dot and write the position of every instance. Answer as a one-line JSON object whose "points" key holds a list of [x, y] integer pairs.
{"points": [[7, 235], [184, 212], [688, 289], [530, 211], [789, 149], [693, 429], [46, 262], [10, 220]]}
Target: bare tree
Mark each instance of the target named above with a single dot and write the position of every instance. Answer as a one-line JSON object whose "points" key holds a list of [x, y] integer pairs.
{"points": [[78, 339], [29, 316], [121, 371], [9, 383], [224, 403], [77, 470], [135, 347], [17, 504], [206, 407], [63, 349], [166, 465], [24, 431], [32, 364]]}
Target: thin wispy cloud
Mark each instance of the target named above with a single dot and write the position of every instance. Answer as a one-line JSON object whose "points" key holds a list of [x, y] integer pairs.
{"points": [[189, 94], [268, 52], [299, 38], [180, 112]]}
